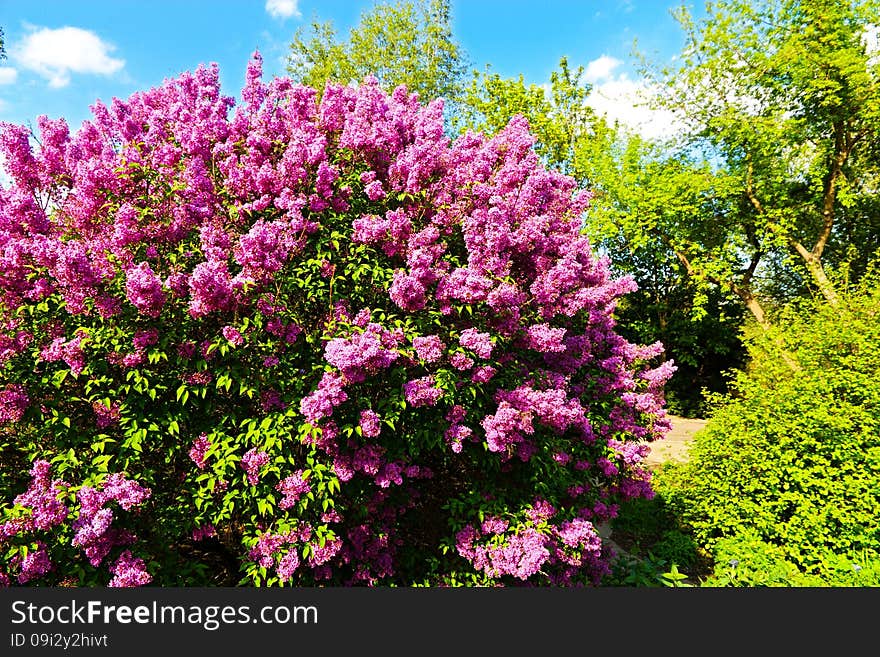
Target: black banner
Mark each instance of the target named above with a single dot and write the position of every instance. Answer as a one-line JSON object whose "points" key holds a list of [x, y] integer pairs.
{"points": [[417, 621]]}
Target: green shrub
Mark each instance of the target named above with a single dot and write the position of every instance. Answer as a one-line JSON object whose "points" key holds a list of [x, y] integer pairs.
{"points": [[746, 561], [785, 479]]}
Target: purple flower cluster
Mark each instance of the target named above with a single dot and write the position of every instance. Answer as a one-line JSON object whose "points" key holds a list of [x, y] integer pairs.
{"points": [[268, 546], [293, 488], [320, 403], [92, 527], [203, 532], [479, 343], [252, 462], [363, 354], [422, 392], [129, 571], [429, 348], [370, 423], [233, 335], [145, 338], [211, 289], [41, 498], [559, 552], [521, 555], [14, 401], [199, 451], [541, 337], [144, 289]]}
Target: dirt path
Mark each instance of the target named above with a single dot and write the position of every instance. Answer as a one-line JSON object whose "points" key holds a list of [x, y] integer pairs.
{"points": [[674, 447]]}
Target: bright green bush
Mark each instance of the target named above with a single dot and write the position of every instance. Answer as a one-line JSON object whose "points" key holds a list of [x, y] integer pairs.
{"points": [[747, 561], [785, 479]]}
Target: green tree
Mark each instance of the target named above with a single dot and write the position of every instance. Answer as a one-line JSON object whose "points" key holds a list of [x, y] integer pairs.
{"points": [[409, 43], [570, 137], [783, 97]]}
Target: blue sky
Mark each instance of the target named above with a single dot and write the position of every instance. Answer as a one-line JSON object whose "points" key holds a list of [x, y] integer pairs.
{"points": [[64, 54]]}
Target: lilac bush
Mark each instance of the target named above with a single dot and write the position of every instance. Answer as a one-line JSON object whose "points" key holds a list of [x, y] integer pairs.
{"points": [[306, 341]]}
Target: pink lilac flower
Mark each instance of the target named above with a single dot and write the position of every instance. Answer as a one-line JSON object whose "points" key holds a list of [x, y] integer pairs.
{"points": [[321, 555], [144, 289], [14, 401], [407, 291], [455, 436], [106, 416], [370, 423], [203, 532], [271, 400], [287, 565], [494, 525], [133, 360], [331, 516], [41, 497], [607, 466], [127, 492], [264, 249], [129, 571], [480, 343], [293, 488], [362, 354], [327, 269], [145, 338], [483, 374], [72, 355], [35, 564], [374, 191], [541, 337], [422, 392], [251, 463], [210, 288], [92, 527], [320, 403], [541, 511], [390, 473], [429, 348], [186, 349], [265, 548], [198, 378], [199, 451], [233, 335]]}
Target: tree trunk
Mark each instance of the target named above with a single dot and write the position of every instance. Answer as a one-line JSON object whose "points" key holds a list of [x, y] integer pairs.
{"points": [[817, 271], [751, 302]]}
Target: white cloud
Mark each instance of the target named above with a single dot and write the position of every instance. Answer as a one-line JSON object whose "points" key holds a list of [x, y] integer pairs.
{"points": [[283, 8], [8, 75], [627, 102], [601, 68], [55, 54], [871, 40]]}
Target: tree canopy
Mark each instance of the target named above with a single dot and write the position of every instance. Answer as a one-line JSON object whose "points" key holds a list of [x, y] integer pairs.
{"points": [[409, 43], [783, 99]]}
